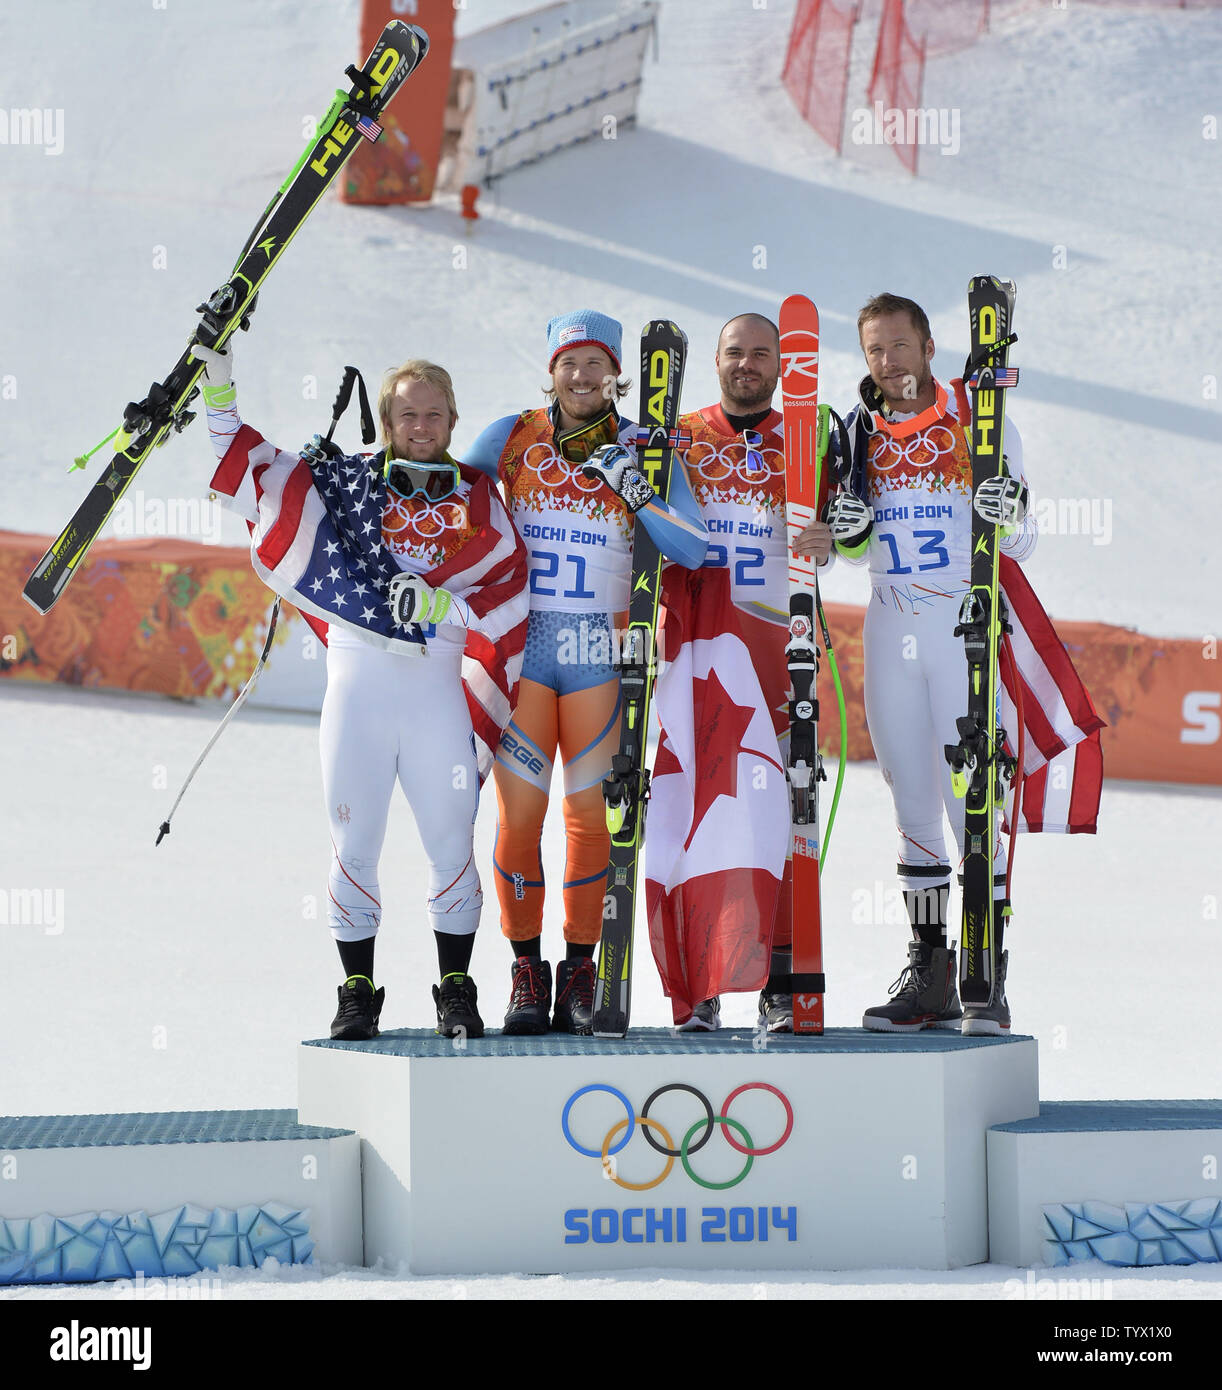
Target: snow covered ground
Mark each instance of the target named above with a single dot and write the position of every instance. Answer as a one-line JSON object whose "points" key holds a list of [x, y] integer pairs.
{"points": [[1081, 129]]}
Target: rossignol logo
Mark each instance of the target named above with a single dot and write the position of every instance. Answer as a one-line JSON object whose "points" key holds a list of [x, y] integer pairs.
{"points": [[799, 365]]}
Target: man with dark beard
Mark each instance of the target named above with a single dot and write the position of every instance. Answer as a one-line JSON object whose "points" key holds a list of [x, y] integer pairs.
{"points": [[718, 880]]}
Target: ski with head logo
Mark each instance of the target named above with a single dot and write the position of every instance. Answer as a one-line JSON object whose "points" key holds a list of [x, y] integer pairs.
{"points": [[351, 117], [981, 767], [626, 788]]}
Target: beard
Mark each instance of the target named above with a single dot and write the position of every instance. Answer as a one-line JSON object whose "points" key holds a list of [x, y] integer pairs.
{"points": [[420, 453], [901, 394], [748, 396], [583, 407]]}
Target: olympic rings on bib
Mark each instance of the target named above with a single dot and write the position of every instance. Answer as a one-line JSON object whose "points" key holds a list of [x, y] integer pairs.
{"points": [[665, 1144], [917, 450], [750, 465], [428, 520], [554, 470]]}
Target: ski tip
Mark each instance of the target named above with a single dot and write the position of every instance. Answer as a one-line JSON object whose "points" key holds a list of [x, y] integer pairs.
{"points": [[664, 326], [796, 301], [1007, 287], [422, 39]]}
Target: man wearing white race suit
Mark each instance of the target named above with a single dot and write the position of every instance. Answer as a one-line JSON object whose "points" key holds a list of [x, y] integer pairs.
{"points": [[911, 467]]}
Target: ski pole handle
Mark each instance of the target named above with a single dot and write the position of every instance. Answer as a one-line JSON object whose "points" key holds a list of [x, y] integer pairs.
{"points": [[342, 399], [343, 396]]}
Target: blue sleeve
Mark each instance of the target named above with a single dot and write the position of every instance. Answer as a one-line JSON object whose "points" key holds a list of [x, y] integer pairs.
{"points": [[485, 453], [677, 527]]}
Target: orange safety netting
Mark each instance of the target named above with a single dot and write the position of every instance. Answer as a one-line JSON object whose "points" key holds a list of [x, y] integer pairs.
{"points": [[816, 71]]}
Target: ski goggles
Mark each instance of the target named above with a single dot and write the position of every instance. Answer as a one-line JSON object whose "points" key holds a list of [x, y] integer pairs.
{"points": [[433, 481]]}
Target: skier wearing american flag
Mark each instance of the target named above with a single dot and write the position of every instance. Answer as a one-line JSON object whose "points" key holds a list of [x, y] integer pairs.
{"points": [[408, 566]]}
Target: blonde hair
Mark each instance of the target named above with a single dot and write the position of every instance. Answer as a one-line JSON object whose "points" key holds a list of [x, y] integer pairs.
{"points": [[415, 369]]}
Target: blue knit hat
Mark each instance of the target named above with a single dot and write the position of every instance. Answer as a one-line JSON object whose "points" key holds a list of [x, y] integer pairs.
{"points": [[580, 329]]}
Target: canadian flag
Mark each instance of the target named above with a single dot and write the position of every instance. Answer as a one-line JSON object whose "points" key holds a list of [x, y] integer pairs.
{"points": [[719, 821]]}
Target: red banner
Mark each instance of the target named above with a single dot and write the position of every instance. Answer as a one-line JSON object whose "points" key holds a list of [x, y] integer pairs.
{"points": [[168, 616], [402, 166]]}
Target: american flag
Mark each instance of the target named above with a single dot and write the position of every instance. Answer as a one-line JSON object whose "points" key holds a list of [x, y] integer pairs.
{"points": [[1003, 376], [1062, 753], [316, 539], [369, 128]]}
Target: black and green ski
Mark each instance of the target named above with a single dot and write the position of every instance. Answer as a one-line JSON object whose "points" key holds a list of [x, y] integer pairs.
{"points": [[147, 423], [981, 768], [626, 789]]}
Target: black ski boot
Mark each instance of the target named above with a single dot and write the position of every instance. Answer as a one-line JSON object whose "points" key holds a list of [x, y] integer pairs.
{"points": [[991, 1019], [574, 1012], [926, 995], [530, 1000]]}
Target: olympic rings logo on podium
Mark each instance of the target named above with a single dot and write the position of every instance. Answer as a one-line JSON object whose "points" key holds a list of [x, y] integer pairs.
{"points": [[620, 1134]]}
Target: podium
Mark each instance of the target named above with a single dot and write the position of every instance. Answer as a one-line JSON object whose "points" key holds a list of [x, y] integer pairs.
{"points": [[85, 1198], [734, 1150], [731, 1151]]}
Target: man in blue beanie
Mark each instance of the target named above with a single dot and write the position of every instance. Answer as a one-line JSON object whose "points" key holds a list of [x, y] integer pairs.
{"points": [[578, 532]]}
